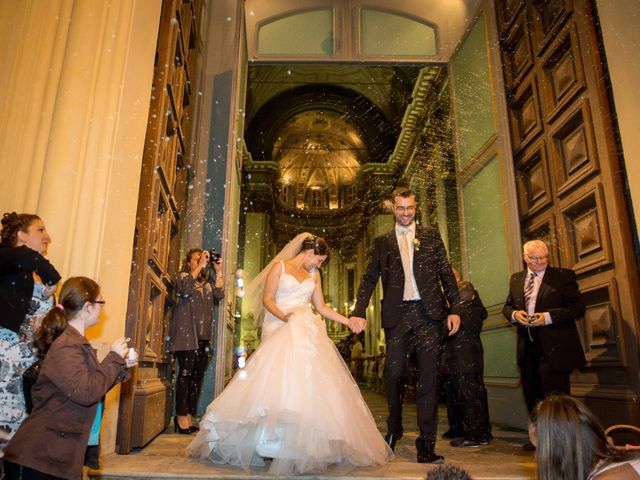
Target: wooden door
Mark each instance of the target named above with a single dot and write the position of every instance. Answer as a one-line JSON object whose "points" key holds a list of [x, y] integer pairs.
{"points": [[147, 402], [569, 183]]}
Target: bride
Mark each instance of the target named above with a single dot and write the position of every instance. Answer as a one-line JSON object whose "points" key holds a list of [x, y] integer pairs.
{"points": [[295, 403]]}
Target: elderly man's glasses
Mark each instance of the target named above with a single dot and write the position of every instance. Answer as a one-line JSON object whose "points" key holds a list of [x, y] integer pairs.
{"points": [[536, 259]]}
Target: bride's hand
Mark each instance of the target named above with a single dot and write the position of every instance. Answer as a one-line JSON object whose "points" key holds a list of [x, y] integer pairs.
{"points": [[287, 316], [357, 324]]}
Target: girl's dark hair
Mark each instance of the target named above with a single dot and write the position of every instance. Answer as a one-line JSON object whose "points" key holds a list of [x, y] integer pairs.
{"points": [[12, 223], [75, 292], [570, 439], [204, 273], [317, 244]]}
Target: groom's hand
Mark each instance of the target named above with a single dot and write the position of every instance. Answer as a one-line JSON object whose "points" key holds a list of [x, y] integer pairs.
{"points": [[453, 324], [357, 324]]}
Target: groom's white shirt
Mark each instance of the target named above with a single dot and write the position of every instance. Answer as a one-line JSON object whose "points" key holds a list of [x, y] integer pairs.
{"points": [[411, 235]]}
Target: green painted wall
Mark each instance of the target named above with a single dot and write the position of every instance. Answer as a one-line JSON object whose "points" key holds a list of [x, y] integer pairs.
{"points": [[499, 350], [483, 220], [488, 265], [474, 117], [485, 234]]}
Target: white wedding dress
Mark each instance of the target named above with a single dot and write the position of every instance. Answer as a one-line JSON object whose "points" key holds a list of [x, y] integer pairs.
{"points": [[295, 402]]}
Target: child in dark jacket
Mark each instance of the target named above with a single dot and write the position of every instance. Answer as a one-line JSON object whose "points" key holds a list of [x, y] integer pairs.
{"points": [[462, 366]]}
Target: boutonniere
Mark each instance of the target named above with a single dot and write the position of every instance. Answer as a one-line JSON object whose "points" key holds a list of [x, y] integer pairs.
{"points": [[416, 244]]}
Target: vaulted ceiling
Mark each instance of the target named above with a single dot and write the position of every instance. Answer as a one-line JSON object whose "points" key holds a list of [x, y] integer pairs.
{"points": [[329, 128], [310, 131]]}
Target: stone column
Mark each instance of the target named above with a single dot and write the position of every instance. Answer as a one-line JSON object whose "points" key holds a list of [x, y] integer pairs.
{"points": [[75, 100]]}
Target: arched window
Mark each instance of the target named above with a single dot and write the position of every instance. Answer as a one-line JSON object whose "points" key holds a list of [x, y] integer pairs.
{"points": [[308, 33], [384, 33]]}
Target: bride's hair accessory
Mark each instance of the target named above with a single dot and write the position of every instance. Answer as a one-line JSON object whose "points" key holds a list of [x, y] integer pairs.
{"points": [[315, 243]]}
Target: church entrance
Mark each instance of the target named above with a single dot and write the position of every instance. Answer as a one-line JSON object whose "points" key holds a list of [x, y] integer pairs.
{"points": [[500, 122]]}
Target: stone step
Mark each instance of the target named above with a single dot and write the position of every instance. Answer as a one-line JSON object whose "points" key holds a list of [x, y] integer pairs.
{"points": [[163, 458]]}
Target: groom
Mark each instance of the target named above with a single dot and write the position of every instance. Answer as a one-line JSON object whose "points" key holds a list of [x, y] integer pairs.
{"points": [[420, 292]]}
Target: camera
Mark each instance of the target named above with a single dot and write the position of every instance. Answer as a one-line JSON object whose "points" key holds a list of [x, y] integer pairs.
{"points": [[531, 318], [214, 256]]}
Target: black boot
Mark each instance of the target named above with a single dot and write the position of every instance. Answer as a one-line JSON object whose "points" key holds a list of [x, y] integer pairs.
{"points": [[391, 440]]}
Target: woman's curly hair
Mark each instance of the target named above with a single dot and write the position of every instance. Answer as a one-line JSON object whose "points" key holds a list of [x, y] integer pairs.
{"points": [[12, 223]]}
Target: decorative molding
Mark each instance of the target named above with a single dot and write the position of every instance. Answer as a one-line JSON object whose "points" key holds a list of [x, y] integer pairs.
{"points": [[524, 111], [533, 180], [573, 148], [561, 74], [586, 244]]}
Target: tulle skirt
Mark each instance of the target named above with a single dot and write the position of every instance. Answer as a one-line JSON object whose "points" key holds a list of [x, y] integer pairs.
{"points": [[296, 404]]}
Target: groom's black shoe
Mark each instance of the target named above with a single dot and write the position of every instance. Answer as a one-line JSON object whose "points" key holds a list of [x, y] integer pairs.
{"points": [[430, 457], [391, 440]]}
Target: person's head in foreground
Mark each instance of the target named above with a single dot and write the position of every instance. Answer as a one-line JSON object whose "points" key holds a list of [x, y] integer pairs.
{"points": [[569, 440], [448, 471]]}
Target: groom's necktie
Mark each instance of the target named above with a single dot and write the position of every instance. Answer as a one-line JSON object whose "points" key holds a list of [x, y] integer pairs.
{"points": [[405, 254]]}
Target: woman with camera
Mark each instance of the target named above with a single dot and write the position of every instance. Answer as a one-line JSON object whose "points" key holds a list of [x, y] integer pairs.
{"points": [[191, 330]]}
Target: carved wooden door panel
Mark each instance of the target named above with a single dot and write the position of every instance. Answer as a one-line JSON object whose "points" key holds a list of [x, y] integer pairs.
{"points": [[147, 401], [569, 183]]}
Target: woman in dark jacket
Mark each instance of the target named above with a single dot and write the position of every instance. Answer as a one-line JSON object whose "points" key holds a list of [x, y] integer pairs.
{"points": [[191, 331], [27, 284], [62, 432]]}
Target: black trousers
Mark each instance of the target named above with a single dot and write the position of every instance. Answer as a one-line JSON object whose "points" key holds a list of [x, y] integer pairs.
{"points": [[418, 335], [538, 378], [454, 412], [467, 406], [13, 471], [191, 367]]}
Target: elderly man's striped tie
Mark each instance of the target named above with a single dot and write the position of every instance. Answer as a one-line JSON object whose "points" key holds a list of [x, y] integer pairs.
{"points": [[528, 290]]}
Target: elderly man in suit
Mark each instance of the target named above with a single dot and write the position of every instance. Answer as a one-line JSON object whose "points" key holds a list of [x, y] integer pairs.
{"points": [[544, 302], [420, 297]]}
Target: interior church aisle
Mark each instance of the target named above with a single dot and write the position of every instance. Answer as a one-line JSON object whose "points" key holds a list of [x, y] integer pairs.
{"points": [[502, 459]]}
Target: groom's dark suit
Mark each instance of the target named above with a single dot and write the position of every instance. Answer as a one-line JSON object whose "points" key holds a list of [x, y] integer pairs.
{"points": [[548, 356], [411, 327]]}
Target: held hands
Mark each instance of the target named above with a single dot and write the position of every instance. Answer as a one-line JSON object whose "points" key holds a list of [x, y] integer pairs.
{"points": [[453, 324], [357, 324], [536, 320]]}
